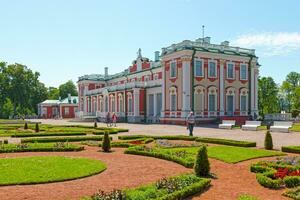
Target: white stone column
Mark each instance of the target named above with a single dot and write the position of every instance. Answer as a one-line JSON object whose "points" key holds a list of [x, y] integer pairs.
{"points": [[253, 88], [222, 63], [155, 104], [84, 98], [163, 95], [186, 86], [136, 102]]}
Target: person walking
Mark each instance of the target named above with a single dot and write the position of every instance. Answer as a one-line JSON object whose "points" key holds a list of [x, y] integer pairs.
{"points": [[190, 122], [114, 119], [108, 123]]}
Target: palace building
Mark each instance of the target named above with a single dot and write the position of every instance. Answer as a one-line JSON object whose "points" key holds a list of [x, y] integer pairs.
{"points": [[216, 81]]}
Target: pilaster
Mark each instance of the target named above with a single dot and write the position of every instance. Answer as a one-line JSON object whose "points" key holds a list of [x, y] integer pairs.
{"points": [[186, 85], [136, 101], [222, 63]]}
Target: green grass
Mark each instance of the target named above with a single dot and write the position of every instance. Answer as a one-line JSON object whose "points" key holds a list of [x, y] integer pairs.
{"points": [[45, 169], [262, 128], [186, 155], [247, 197], [295, 128]]}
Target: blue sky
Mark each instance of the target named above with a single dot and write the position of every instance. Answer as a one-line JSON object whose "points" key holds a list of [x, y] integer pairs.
{"points": [[66, 39]]}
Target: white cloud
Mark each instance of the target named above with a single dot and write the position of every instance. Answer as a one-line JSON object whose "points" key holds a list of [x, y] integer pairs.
{"points": [[270, 43]]}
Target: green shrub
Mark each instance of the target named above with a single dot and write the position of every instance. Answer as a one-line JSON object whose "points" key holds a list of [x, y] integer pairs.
{"points": [[202, 166], [268, 141], [167, 137], [106, 142], [46, 134], [95, 125], [5, 141], [290, 149], [227, 142], [62, 139], [37, 128], [268, 182], [291, 181], [25, 126], [293, 193]]}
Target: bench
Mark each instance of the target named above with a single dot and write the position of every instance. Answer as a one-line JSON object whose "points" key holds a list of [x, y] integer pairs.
{"points": [[227, 124], [251, 125], [280, 126]]}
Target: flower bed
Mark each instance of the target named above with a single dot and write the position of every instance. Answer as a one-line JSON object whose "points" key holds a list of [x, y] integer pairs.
{"points": [[172, 188], [284, 172], [61, 139], [37, 147]]}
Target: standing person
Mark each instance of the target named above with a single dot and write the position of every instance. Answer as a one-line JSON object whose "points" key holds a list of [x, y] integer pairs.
{"points": [[190, 122], [108, 120], [114, 119]]}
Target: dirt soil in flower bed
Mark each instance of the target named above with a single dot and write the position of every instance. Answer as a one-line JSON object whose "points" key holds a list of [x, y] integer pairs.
{"points": [[131, 171]]}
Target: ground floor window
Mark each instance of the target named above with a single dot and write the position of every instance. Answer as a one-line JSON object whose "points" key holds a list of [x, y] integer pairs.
{"points": [[158, 104], [243, 103], [129, 104], [67, 110], [212, 102], [173, 102]]}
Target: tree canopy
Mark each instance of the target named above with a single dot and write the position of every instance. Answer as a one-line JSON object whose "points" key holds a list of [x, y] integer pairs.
{"points": [[67, 88]]}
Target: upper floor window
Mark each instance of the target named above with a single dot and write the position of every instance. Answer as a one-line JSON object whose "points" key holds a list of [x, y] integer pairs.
{"points": [[173, 70], [243, 72], [212, 69], [198, 68], [230, 71]]}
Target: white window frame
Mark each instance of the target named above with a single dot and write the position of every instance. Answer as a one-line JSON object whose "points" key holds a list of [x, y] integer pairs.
{"points": [[202, 68], [175, 68], [175, 106], [216, 73], [67, 110], [233, 71], [243, 64]]}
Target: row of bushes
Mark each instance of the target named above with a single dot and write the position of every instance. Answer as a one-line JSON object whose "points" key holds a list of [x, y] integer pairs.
{"points": [[198, 139], [137, 151], [61, 139], [293, 193], [290, 149], [46, 134], [226, 142], [36, 147]]}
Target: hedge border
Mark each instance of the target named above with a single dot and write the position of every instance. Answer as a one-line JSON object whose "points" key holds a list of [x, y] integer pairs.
{"points": [[47, 134], [61, 139], [290, 149], [160, 156], [228, 142], [42, 149], [291, 193]]}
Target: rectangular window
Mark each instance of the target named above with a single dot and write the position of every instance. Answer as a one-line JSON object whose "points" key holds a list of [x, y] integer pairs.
{"points": [[198, 68], [173, 70], [243, 72], [243, 103], [151, 105], [121, 105], [212, 102], [230, 71], [66, 110], [158, 103], [212, 69], [173, 102]]}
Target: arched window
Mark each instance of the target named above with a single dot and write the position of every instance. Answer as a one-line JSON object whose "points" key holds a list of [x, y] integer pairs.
{"points": [[112, 103], [129, 102], [230, 101], [120, 103], [199, 94], [106, 103], [101, 104], [173, 98]]}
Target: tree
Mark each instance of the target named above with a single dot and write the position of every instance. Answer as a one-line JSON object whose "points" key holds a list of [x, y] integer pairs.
{"points": [[67, 88], [268, 101], [7, 108], [289, 87], [53, 93], [202, 166]]}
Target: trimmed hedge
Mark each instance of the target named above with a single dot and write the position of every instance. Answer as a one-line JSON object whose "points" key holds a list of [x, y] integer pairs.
{"points": [[61, 139], [226, 142], [10, 148], [293, 193], [291, 181], [46, 134], [290, 149], [167, 137], [135, 151], [268, 182]]}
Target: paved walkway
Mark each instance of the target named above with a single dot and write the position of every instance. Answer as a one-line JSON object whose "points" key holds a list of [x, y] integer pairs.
{"points": [[279, 139]]}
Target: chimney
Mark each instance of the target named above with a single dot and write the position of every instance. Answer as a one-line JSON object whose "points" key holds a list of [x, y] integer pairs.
{"points": [[105, 71], [156, 56], [69, 98]]}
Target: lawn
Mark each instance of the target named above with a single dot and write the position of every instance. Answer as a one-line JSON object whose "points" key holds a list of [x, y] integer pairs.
{"points": [[186, 155], [44, 169]]}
